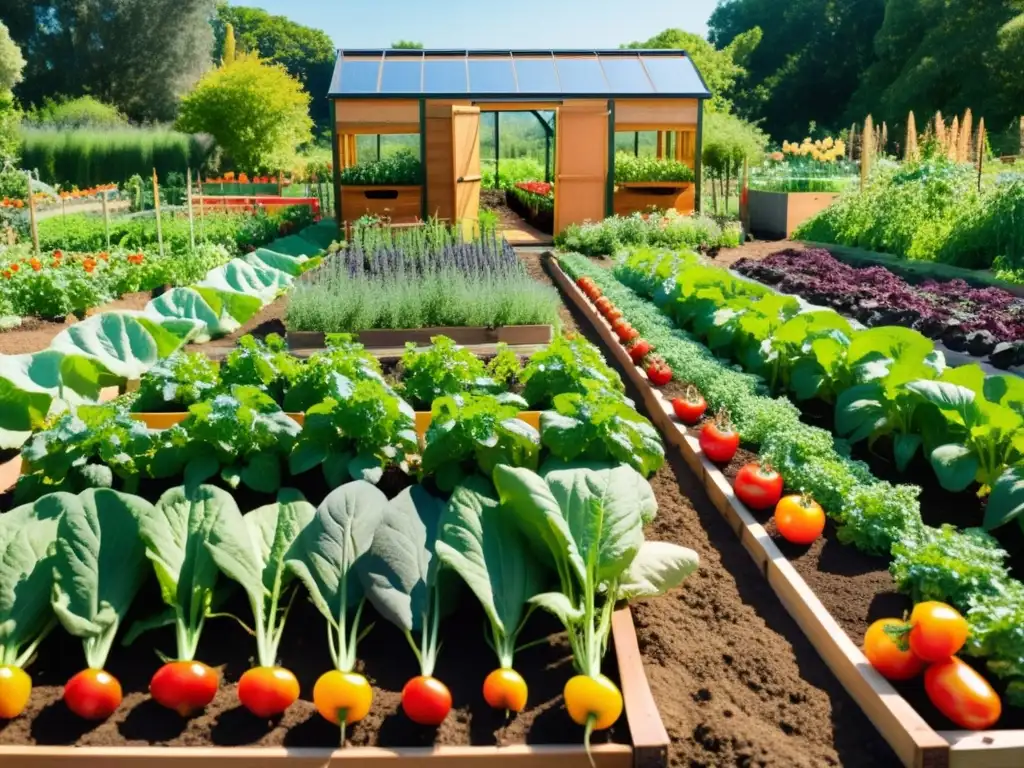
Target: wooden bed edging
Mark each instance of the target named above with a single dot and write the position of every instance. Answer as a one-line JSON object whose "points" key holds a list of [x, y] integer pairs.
{"points": [[391, 338], [519, 756], [915, 743]]}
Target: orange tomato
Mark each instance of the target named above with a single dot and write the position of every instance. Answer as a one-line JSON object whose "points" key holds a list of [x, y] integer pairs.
{"points": [[937, 631], [962, 695], [800, 519], [505, 689], [885, 654]]}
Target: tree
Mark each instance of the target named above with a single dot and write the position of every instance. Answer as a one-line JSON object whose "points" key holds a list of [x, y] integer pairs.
{"points": [[257, 113], [719, 68], [407, 44], [139, 56], [11, 66], [83, 112], [229, 45], [308, 54]]}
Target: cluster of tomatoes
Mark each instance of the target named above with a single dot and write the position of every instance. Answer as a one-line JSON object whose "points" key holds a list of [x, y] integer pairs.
{"points": [[640, 350], [928, 642]]}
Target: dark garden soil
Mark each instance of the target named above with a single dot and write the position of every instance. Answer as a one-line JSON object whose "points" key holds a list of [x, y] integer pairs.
{"points": [[35, 334], [753, 249]]}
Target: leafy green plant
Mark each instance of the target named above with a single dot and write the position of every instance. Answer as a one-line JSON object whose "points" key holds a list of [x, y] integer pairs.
{"points": [[1006, 503], [355, 433], [323, 373], [504, 367], [100, 565], [176, 383], [263, 364], [476, 432], [482, 542], [564, 366], [241, 436], [601, 425], [402, 168], [440, 370], [629, 168]]}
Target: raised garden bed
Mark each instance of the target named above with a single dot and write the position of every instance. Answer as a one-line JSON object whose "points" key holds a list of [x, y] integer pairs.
{"points": [[398, 204], [391, 339], [779, 214], [534, 201], [917, 741], [640, 196]]}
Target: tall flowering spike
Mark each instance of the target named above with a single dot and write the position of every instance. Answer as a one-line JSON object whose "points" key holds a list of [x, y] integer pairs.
{"points": [[980, 148], [884, 142], [963, 147], [867, 151], [940, 131], [910, 151]]}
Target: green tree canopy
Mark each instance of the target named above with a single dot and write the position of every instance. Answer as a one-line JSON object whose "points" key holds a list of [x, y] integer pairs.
{"points": [[83, 112], [12, 63], [409, 44], [139, 56], [257, 113], [308, 54], [720, 68]]}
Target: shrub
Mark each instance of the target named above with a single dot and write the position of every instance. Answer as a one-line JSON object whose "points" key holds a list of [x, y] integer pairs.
{"points": [[402, 168], [629, 168], [256, 111], [71, 114], [669, 230]]}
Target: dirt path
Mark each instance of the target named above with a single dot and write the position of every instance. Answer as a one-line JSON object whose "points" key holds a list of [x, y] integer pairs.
{"points": [[35, 335]]}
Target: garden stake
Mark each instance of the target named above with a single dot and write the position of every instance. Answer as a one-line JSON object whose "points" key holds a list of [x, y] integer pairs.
{"points": [[191, 220], [981, 150], [33, 226], [156, 207], [106, 218]]}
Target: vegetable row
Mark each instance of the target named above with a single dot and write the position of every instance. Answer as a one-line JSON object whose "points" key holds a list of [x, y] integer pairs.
{"points": [[568, 539], [899, 650], [356, 425], [964, 568]]}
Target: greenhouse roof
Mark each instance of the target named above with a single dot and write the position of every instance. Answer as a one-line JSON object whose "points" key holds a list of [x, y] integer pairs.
{"points": [[499, 75]]}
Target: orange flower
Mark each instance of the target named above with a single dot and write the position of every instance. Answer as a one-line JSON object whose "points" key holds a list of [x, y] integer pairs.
{"points": [[19, 203], [7, 274], [15, 267], [36, 264], [104, 255], [89, 265], [58, 255], [55, 264], [135, 258]]}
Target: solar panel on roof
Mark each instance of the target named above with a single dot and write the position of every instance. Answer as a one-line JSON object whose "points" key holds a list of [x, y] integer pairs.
{"points": [[516, 74]]}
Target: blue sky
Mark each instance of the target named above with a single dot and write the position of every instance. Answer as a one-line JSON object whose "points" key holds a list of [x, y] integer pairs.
{"points": [[483, 24]]}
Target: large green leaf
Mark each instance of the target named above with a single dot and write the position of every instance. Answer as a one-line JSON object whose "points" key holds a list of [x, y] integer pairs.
{"points": [[1006, 390], [27, 536], [236, 305], [291, 265], [956, 401], [481, 541], [657, 568], [955, 466], [861, 411], [1006, 502], [247, 279], [99, 566], [188, 304], [905, 446], [399, 571], [889, 341], [176, 534], [340, 532]]}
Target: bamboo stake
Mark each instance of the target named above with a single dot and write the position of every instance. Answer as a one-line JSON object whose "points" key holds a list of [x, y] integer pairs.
{"points": [[981, 150], [33, 225], [866, 151], [156, 206], [191, 220], [106, 218], [910, 151]]}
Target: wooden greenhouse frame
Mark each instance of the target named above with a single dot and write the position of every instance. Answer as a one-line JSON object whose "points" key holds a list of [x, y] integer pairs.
{"points": [[439, 95]]}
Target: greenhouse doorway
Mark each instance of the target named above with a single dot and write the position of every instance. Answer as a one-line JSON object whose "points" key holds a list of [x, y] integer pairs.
{"points": [[517, 167]]}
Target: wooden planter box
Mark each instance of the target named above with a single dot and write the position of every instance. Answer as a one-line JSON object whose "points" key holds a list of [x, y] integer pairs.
{"points": [[467, 335], [915, 743], [633, 196], [402, 205], [534, 215], [778, 214]]}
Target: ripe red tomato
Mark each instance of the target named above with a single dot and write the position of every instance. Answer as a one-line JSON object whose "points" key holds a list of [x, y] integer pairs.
{"points": [[885, 654], [658, 371], [184, 686], [613, 314], [426, 700], [93, 694], [800, 519], [583, 282], [962, 695], [719, 440], [690, 408], [758, 487], [603, 304], [937, 631], [638, 350], [268, 691]]}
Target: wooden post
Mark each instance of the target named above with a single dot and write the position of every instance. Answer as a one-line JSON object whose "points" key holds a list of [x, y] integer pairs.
{"points": [[33, 225], [191, 221], [745, 196], [280, 184], [660, 150], [106, 218], [981, 150], [63, 217], [156, 207], [202, 211]]}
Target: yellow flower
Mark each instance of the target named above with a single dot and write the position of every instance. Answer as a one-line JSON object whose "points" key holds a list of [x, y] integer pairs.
{"points": [[828, 142]]}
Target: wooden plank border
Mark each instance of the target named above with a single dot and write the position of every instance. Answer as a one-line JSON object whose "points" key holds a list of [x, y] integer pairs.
{"points": [[465, 335], [915, 743]]}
